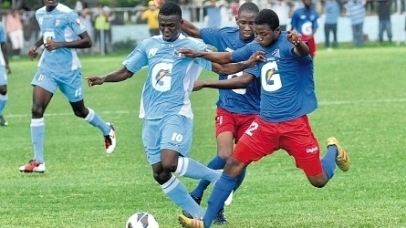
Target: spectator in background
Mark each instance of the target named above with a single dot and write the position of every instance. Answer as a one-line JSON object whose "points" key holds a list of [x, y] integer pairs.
{"points": [[282, 9], [385, 24], [213, 8], [102, 26], [332, 12], [151, 16], [356, 12], [234, 6], [304, 21], [86, 21], [14, 28]]}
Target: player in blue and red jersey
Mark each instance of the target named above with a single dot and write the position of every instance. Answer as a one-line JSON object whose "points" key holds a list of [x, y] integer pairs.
{"points": [[304, 21], [287, 97], [236, 108]]}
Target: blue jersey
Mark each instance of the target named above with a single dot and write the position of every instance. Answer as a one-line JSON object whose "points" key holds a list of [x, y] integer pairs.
{"points": [[287, 90], [305, 21], [170, 77], [61, 25], [241, 101], [3, 39]]}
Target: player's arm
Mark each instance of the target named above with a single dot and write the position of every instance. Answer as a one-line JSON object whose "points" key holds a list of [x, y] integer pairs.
{"points": [[32, 52], [300, 49], [216, 57], [234, 83], [232, 68], [115, 76], [84, 42], [190, 29]]}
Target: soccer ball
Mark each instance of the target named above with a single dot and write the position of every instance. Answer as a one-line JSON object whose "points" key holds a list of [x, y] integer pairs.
{"points": [[142, 220]]}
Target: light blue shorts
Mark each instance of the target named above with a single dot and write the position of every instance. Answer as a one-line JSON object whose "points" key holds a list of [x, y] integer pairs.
{"points": [[70, 83], [172, 133], [3, 76]]}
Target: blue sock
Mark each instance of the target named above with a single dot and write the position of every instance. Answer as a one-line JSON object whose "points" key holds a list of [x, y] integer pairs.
{"points": [[177, 192], [221, 191], [215, 163], [240, 179], [37, 136], [329, 161], [3, 102], [97, 121], [190, 168]]}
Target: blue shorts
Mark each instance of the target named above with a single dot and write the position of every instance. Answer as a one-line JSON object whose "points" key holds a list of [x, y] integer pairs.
{"points": [[3, 76], [70, 83], [172, 133]]}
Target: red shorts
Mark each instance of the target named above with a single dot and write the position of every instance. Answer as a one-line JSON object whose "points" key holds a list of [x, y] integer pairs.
{"points": [[311, 43], [295, 137], [232, 122]]}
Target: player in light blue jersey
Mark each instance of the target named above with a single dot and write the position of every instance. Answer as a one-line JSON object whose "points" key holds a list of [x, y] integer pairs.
{"points": [[59, 67], [287, 97], [236, 108], [165, 105], [4, 70]]}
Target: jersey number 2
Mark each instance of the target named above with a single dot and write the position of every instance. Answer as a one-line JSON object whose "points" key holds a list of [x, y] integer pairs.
{"points": [[239, 91], [250, 131]]}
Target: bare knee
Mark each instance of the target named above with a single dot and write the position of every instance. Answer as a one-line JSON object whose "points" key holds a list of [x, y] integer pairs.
{"points": [[37, 110], [234, 167], [3, 90], [318, 181], [225, 153], [169, 165], [81, 112], [162, 176]]}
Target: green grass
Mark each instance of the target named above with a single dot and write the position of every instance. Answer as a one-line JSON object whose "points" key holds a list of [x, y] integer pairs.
{"points": [[362, 102]]}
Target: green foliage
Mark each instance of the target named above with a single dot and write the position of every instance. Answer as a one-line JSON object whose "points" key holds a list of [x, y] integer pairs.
{"points": [[124, 45]]}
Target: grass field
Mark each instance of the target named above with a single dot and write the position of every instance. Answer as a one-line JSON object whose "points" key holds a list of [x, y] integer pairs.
{"points": [[362, 95]]}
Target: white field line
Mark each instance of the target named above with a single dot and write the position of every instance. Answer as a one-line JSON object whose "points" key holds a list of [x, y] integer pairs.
{"points": [[135, 112]]}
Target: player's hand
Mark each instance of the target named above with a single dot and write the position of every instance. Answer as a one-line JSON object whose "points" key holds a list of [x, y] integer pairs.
{"points": [[159, 3], [8, 69], [50, 45], [198, 85], [294, 37], [187, 52], [258, 56], [92, 81], [32, 52]]}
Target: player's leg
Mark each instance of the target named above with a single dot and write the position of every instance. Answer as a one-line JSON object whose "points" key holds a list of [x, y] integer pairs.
{"points": [[299, 141], [177, 136], [3, 95], [163, 163], [73, 90], [251, 147], [44, 88], [225, 131]]}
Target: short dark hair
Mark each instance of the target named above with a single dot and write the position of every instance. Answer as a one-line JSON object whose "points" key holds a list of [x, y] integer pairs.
{"points": [[170, 9], [267, 17], [248, 7]]}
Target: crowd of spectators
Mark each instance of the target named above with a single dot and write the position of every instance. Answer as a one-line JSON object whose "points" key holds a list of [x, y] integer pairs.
{"points": [[22, 27]]}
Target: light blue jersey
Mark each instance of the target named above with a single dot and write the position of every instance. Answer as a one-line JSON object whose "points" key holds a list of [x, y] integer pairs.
{"points": [[165, 103], [61, 25], [3, 74], [170, 77]]}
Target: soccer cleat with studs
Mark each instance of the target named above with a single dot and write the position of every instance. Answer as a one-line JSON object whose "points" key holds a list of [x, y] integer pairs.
{"points": [[190, 223], [342, 159], [110, 140], [33, 167]]}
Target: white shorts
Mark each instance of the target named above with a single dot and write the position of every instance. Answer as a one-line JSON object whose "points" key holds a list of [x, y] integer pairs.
{"points": [[17, 39]]}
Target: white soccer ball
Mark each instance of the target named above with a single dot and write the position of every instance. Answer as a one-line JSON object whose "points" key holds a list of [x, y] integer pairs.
{"points": [[142, 220]]}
